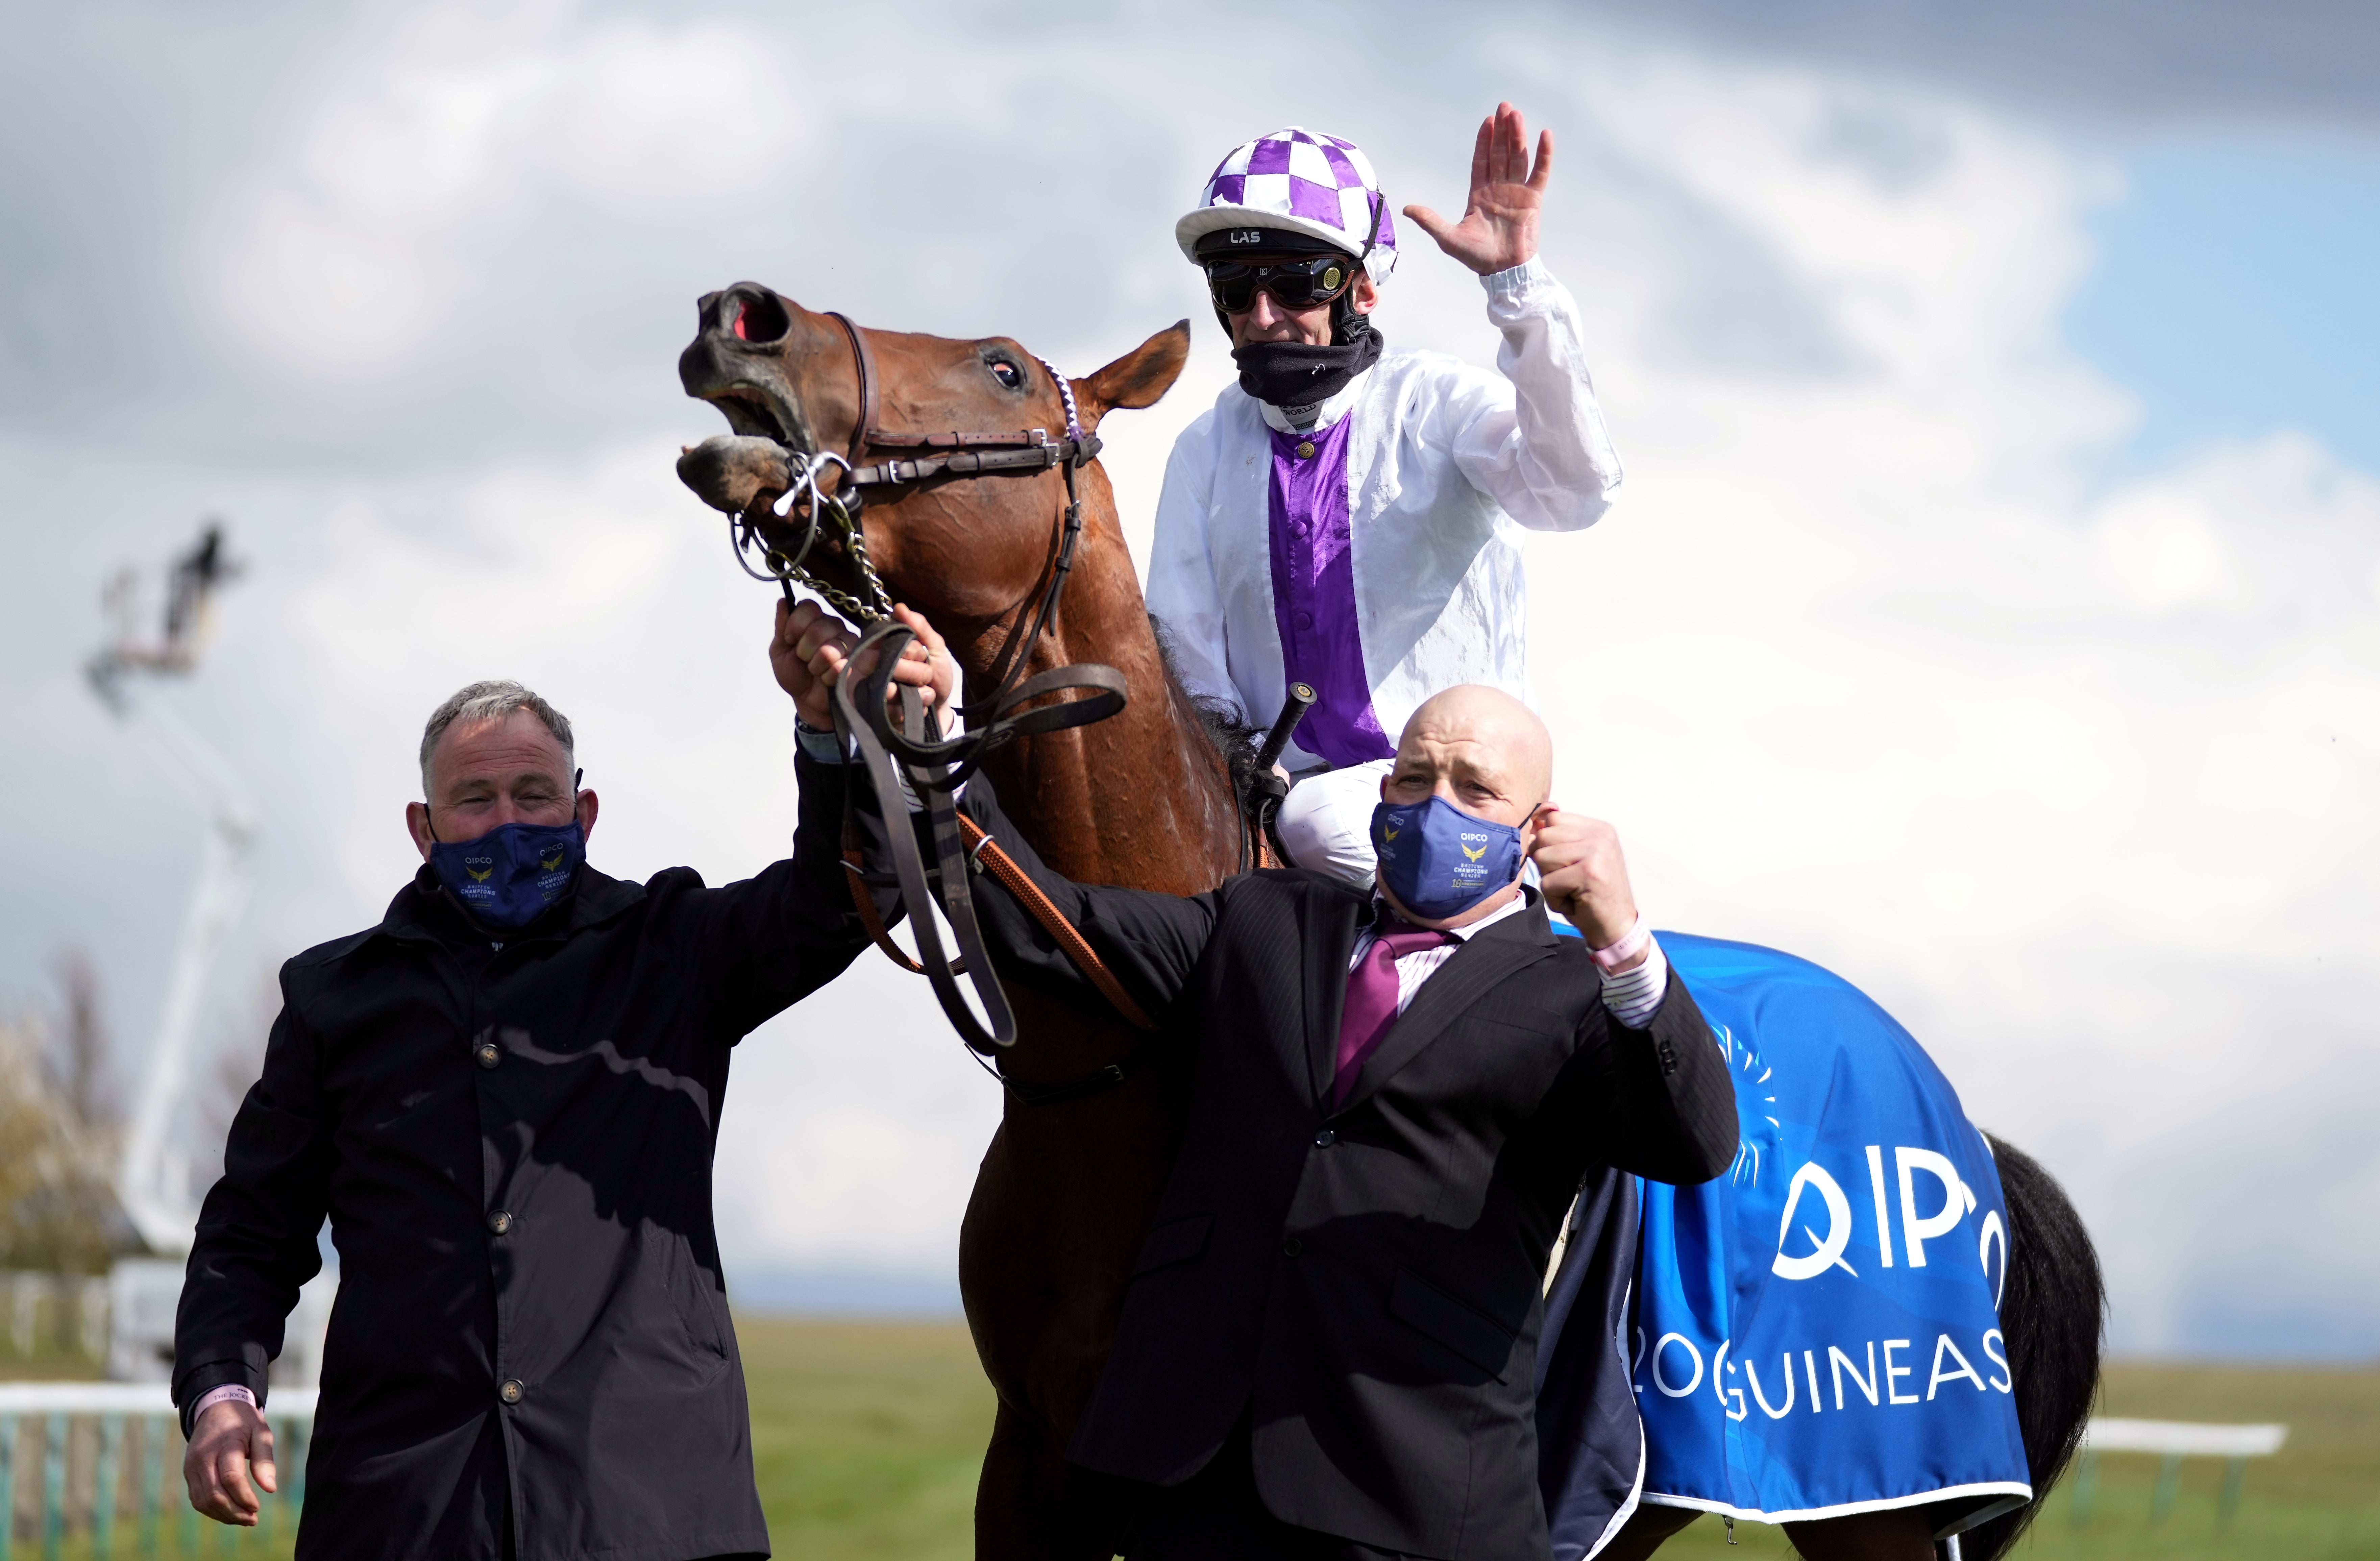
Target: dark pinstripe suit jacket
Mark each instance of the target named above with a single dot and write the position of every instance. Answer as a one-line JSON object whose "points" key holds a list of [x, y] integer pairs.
{"points": [[1365, 1282]]}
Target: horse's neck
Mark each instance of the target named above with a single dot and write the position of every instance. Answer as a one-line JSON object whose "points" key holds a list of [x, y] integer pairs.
{"points": [[1141, 798]]}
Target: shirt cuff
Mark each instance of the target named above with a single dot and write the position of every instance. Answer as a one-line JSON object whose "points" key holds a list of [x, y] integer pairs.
{"points": [[1514, 282], [230, 1392], [1634, 996], [204, 1380], [819, 746]]}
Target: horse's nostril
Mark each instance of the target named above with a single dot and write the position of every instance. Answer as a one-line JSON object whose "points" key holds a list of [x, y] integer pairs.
{"points": [[758, 318]]}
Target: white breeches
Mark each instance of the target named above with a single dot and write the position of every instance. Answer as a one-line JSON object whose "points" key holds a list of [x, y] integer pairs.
{"points": [[1326, 824]]}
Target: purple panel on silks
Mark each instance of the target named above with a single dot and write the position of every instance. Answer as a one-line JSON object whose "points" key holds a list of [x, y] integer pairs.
{"points": [[1314, 598]]}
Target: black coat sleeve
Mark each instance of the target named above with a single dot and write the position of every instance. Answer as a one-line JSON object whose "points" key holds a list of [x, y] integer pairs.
{"points": [[255, 1243], [1152, 940], [762, 945], [1668, 1114]]}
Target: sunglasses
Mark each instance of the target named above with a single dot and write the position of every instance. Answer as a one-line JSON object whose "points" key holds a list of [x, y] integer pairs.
{"points": [[1306, 282]]}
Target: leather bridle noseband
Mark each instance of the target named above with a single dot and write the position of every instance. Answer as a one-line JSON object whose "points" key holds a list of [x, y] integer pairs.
{"points": [[937, 456]]}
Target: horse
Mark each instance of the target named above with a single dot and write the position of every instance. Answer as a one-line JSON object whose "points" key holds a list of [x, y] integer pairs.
{"points": [[1146, 798]]}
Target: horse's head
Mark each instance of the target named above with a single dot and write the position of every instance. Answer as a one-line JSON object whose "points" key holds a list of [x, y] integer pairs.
{"points": [[965, 552]]}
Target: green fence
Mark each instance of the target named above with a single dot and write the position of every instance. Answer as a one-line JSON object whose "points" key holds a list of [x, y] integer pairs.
{"points": [[100, 1463]]}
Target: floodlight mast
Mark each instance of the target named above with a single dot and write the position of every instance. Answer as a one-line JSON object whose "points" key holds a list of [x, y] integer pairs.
{"points": [[151, 1183]]}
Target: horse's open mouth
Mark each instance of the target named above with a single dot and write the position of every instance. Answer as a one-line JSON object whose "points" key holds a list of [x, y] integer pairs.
{"points": [[752, 412]]}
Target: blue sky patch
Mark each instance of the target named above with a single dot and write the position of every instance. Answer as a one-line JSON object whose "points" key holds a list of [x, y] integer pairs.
{"points": [[2236, 296]]}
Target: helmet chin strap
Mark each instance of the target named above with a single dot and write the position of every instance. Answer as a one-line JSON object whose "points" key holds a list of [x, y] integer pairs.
{"points": [[1347, 322]]}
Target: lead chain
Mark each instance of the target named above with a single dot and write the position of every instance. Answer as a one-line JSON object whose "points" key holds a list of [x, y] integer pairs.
{"points": [[879, 604]]}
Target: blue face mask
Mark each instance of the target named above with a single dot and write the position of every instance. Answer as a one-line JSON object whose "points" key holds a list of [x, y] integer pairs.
{"points": [[510, 875], [1439, 860]]}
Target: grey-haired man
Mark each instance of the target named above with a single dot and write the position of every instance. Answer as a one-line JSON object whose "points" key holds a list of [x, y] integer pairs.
{"points": [[505, 1098]]}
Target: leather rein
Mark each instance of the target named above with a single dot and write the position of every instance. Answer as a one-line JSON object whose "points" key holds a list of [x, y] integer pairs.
{"points": [[904, 761]]}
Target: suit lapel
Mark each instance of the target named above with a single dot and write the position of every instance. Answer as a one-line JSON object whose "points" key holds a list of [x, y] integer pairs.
{"points": [[1472, 973], [1328, 922]]}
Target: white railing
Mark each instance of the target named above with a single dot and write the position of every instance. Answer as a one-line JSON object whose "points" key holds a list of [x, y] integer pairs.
{"points": [[67, 1313], [94, 1456], [2173, 1441]]}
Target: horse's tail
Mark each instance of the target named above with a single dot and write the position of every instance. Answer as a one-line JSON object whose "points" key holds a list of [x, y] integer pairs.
{"points": [[2051, 1317]]}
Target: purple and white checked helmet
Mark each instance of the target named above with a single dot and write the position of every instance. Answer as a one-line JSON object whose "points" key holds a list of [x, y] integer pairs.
{"points": [[1302, 181]]}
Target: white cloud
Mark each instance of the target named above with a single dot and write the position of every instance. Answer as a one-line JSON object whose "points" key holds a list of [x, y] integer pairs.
{"points": [[417, 204], [853, 1135]]}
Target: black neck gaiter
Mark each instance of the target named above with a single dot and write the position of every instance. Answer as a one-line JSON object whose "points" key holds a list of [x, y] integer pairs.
{"points": [[1293, 373]]}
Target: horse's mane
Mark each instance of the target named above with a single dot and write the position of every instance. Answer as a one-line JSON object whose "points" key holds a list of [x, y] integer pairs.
{"points": [[1234, 741]]}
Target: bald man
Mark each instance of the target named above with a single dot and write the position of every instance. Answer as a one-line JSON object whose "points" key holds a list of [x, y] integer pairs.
{"points": [[1330, 1342]]}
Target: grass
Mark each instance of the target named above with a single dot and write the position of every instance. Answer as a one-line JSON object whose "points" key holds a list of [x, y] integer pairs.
{"points": [[2317, 1500], [867, 1437]]}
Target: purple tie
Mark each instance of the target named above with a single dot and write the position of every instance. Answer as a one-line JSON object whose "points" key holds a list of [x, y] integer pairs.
{"points": [[1372, 998]]}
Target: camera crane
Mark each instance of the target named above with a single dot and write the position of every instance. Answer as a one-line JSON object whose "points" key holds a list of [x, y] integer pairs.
{"points": [[152, 1182]]}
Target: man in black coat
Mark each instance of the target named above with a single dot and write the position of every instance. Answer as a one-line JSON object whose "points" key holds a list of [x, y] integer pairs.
{"points": [[506, 1098], [1328, 1345]]}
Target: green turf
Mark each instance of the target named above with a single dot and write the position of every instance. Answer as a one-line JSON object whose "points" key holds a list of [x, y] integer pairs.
{"points": [[867, 1437]]}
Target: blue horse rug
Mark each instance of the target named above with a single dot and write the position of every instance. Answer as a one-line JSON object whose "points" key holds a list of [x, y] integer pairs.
{"points": [[1817, 1332]]}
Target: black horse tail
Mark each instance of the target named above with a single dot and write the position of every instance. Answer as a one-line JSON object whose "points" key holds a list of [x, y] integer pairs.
{"points": [[2052, 1317]]}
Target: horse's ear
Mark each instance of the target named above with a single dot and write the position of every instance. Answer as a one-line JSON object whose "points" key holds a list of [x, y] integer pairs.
{"points": [[1138, 378]]}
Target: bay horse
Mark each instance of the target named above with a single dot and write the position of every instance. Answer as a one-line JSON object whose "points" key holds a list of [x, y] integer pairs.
{"points": [[1146, 800]]}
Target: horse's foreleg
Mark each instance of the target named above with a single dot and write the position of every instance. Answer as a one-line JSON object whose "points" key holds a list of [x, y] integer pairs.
{"points": [[1903, 1534], [1645, 1531], [1032, 1506], [1016, 1499]]}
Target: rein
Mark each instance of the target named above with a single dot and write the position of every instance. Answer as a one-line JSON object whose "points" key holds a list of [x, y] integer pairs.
{"points": [[934, 771], [904, 763]]}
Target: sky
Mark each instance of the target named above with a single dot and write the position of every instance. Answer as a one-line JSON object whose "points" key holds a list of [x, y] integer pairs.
{"points": [[1991, 613]]}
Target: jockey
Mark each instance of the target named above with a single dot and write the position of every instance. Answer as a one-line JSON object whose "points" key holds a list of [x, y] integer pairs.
{"points": [[1350, 517]]}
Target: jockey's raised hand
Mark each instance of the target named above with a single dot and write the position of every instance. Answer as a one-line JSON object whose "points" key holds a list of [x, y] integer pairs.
{"points": [[1499, 229], [811, 647]]}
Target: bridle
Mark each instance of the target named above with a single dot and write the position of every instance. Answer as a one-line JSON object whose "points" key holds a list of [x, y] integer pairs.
{"points": [[932, 768], [939, 456]]}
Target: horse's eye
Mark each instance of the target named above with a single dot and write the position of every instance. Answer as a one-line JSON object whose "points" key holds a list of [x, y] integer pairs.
{"points": [[1007, 373]]}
